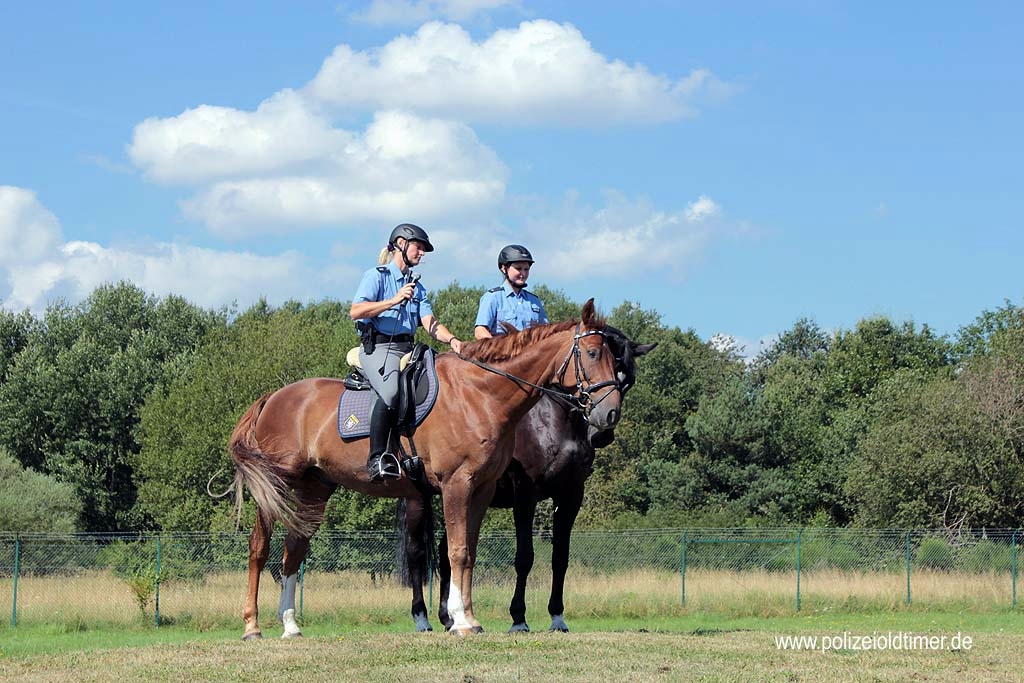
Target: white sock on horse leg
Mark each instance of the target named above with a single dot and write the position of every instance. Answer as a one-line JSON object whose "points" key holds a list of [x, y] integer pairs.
{"points": [[286, 608]]}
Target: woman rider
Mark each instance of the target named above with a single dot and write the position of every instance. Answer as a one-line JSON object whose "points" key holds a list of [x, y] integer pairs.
{"points": [[388, 306], [510, 302]]}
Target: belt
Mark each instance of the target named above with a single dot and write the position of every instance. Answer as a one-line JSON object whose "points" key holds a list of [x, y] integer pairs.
{"points": [[381, 338]]}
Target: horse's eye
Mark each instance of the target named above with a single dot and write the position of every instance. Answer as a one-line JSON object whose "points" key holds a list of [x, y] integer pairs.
{"points": [[593, 353]]}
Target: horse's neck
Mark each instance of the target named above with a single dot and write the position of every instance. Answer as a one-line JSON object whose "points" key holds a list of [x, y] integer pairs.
{"points": [[535, 365], [539, 362]]}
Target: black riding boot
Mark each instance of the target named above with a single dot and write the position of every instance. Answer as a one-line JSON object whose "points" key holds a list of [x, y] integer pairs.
{"points": [[381, 462]]}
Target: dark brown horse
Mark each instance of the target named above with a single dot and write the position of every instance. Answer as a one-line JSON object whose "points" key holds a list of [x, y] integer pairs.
{"points": [[288, 453], [553, 457]]}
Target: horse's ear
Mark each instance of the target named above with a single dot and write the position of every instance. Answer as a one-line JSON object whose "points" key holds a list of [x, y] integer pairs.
{"points": [[643, 349], [587, 316]]}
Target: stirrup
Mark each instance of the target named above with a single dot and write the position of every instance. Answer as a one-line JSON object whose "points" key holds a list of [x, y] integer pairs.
{"points": [[385, 467]]}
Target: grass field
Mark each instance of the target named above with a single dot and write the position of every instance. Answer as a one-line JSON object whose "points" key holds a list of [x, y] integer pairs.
{"points": [[625, 627], [693, 648]]}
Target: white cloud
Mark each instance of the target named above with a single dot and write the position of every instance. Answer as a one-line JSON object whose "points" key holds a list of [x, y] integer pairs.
{"points": [[624, 239], [540, 72], [287, 165], [417, 11], [208, 143], [704, 208], [39, 268], [205, 277], [28, 230], [630, 238], [401, 166]]}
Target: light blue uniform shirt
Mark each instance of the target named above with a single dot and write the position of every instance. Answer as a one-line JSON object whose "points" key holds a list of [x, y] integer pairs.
{"points": [[382, 283], [521, 310]]}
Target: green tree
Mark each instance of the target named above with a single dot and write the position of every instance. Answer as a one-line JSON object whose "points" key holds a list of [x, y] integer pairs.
{"points": [[31, 501], [71, 401], [648, 466], [991, 332], [789, 378], [946, 448], [935, 455], [16, 330]]}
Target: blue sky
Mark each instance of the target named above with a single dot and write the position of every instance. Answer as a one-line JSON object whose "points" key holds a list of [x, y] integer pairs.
{"points": [[734, 166]]}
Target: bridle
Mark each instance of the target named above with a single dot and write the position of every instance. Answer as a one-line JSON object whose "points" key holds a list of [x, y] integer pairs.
{"points": [[584, 394], [582, 398]]}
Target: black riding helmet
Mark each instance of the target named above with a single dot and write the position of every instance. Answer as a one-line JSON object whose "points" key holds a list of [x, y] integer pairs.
{"points": [[513, 253], [411, 232]]}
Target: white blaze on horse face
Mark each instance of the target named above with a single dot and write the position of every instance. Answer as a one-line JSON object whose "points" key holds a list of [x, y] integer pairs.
{"points": [[457, 610]]}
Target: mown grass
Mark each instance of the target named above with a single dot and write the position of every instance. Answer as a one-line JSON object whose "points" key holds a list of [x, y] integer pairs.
{"points": [[717, 651], [628, 627]]}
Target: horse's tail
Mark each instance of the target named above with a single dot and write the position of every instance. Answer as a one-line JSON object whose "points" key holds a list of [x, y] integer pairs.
{"points": [[406, 571], [264, 478]]}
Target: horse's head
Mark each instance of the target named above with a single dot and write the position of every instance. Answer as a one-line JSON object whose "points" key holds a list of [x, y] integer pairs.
{"points": [[625, 351], [598, 388]]}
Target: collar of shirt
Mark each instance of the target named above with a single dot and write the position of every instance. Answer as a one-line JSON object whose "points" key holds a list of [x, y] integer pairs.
{"points": [[396, 273], [509, 291]]}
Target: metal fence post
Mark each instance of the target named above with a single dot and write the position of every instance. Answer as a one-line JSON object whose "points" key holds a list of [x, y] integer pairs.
{"points": [[1013, 566], [156, 599], [683, 571], [14, 603], [302, 587], [908, 567], [799, 536], [430, 581]]}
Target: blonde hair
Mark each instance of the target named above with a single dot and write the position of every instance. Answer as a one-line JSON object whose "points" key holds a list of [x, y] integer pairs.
{"points": [[385, 257]]}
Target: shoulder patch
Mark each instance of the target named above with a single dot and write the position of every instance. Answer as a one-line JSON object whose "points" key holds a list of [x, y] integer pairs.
{"points": [[495, 289]]}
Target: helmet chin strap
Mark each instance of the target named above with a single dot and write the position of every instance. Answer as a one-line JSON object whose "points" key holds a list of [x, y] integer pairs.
{"points": [[516, 288], [405, 258]]}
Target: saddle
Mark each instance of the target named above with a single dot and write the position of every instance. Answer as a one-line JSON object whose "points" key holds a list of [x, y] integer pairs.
{"points": [[417, 392]]}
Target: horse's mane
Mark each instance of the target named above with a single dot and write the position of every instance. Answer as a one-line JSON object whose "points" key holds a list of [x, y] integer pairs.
{"points": [[510, 345]]}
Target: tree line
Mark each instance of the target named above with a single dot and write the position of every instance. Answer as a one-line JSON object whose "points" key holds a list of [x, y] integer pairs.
{"points": [[115, 412]]}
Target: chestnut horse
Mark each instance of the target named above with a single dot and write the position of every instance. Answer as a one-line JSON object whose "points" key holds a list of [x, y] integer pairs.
{"points": [[288, 453], [553, 457]]}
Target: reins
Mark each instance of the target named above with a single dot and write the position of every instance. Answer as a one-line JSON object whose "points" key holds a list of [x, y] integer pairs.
{"points": [[580, 400]]}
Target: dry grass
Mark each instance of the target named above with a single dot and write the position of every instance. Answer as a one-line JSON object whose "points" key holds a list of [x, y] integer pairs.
{"points": [[351, 598]]}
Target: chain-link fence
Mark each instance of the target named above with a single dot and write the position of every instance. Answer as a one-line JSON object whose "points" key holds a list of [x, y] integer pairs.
{"points": [[200, 579]]}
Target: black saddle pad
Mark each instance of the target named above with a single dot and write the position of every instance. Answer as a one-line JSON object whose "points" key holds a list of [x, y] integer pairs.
{"points": [[354, 406]]}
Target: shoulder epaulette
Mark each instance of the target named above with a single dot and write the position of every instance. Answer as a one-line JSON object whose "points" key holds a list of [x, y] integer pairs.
{"points": [[495, 289], [382, 269]]}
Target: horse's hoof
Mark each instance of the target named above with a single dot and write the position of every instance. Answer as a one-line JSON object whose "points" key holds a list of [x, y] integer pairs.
{"points": [[522, 627], [558, 624], [466, 631], [291, 627], [422, 623], [253, 636]]}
